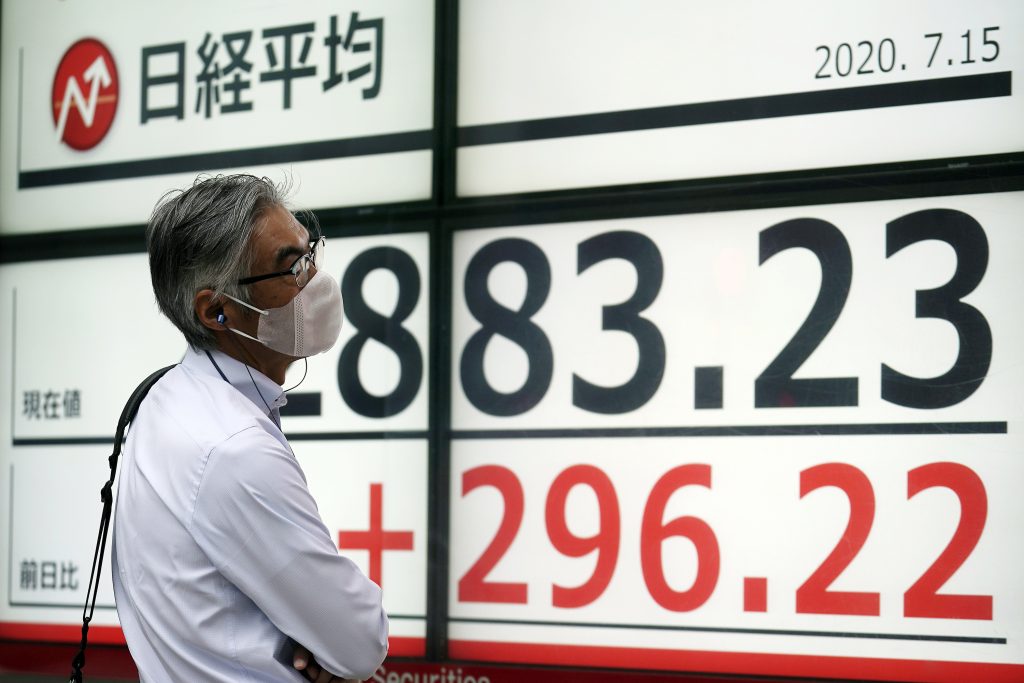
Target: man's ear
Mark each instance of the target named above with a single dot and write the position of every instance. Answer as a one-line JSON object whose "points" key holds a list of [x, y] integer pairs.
{"points": [[208, 306]]}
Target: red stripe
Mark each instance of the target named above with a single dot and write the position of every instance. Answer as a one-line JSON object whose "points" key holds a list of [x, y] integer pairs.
{"points": [[60, 633], [399, 646], [55, 660], [737, 662], [630, 658]]}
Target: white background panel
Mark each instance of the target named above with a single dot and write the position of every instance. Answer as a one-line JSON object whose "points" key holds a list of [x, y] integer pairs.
{"points": [[51, 480], [379, 367], [48, 483], [87, 324], [718, 307], [37, 34], [593, 57], [79, 320], [763, 529], [340, 474], [91, 325]]}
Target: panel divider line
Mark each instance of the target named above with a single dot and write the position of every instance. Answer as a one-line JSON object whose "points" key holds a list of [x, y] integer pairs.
{"points": [[743, 631]]}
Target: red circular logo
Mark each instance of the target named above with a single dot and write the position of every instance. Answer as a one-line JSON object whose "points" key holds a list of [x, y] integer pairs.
{"points": [[85, 91]]}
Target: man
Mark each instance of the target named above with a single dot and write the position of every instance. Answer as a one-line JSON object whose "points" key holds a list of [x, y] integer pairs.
{"points": [[223, 569]]}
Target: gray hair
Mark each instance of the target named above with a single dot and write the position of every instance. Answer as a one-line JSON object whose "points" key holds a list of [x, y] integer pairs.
{"points": [[199, 238]]}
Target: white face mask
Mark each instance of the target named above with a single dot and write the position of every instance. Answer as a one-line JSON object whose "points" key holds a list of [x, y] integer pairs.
{"points": [[305, 326]]}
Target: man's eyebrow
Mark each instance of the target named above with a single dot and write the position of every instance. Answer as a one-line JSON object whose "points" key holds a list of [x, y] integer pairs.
{"points": [[288, 252]]}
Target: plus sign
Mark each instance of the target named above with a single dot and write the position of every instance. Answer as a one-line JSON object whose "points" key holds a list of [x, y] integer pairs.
{"points": [[375, 539]]}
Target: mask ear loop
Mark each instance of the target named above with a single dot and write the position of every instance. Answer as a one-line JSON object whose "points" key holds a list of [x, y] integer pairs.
{"points": [[249, 306]]}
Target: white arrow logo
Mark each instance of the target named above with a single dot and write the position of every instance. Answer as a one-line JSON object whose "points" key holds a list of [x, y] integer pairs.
{"points": [[98, 75]]}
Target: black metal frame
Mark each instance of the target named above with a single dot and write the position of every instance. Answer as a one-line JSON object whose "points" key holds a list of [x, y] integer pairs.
{"points": [[445, 213]]}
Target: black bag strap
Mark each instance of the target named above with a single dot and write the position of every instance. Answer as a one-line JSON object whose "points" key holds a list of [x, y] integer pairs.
{"points": [[107, 497]]}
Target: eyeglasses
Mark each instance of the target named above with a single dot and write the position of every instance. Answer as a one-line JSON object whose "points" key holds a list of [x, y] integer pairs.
{"points": [[302, 270]]}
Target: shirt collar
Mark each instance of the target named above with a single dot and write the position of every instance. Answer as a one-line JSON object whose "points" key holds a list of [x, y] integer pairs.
{"points": [[253, 384]]}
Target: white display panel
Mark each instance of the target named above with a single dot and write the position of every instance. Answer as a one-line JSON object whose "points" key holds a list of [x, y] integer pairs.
{"points": [[372, 495], [338, 95], [606, 93], [781, 441], [376, 376], [359, 421], [67, 379]]}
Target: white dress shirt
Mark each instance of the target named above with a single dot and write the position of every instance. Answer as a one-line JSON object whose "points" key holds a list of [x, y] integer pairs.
{"points": [[219, 552]]}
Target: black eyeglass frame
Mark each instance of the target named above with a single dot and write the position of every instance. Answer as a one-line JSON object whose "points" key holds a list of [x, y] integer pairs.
{"points": [[295, 268]]}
